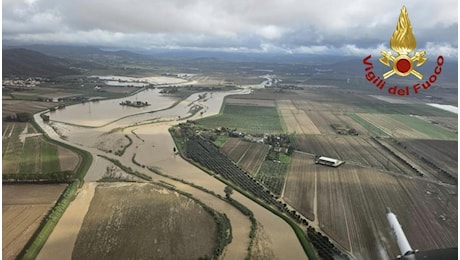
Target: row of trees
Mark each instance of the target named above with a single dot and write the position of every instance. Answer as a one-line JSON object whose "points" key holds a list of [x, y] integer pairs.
{"points": [[19, 117], [52, 177]]}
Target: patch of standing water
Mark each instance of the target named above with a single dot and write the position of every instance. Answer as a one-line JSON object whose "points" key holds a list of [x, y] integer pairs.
{"points": [[449, 108], [105, 111]]}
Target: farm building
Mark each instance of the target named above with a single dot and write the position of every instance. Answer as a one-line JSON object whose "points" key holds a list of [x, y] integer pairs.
{"points": [[328, 161]]}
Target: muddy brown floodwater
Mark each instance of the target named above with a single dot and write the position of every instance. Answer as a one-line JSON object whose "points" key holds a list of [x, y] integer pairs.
{"points": [[153, 147]]}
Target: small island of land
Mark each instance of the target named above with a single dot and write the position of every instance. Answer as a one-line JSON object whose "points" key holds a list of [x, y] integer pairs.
{"points": [[134, 104]]}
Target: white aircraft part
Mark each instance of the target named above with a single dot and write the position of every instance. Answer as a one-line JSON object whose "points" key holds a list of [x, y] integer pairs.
{"points": [[401, 239]]}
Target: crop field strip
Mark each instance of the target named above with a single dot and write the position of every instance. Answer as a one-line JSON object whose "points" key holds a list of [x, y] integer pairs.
{"points": [[296, 121], [374, 192], [289, 121], [423, 223], [319, 114], [250, 102], [371, 129], [450, 123], [235, 148], [437, 158], [26, 152], [300, 184], [321, 104], [403, 126], [12, 146], [329, 199], [249, 119], [367, 104], [343, 102], [24, 206], [261, 94], [10, 107], [248, 156], [323, 115], [323, 120], [23, 221], [251, 158], [432, 130], [415, 163]]}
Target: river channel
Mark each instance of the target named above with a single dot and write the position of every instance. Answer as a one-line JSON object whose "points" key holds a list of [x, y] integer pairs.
{"points": [[153, 147]]}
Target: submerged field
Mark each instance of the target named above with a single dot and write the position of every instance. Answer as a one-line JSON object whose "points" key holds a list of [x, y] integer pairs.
{"points": [[146, 221]]}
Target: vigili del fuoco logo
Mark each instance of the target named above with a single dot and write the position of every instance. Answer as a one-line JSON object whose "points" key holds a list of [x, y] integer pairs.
{"points": [[402, 42]]}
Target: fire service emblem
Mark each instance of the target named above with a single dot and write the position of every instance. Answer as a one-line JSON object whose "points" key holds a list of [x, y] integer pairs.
{"points": [[403, 43]]}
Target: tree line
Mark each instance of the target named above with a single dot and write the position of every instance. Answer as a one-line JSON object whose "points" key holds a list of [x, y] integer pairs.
{"points": [[19, 117]]}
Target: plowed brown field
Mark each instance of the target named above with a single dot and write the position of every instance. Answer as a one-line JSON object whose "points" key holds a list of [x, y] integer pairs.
{"points": [[248, 156], [23, 207], [352, 203], [295, 120]]}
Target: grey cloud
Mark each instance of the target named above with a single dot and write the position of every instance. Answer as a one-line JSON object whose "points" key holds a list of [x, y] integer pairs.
{"points": [[263, 25]]}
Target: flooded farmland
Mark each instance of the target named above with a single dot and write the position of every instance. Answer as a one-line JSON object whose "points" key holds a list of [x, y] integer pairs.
{"points": [[98, 113], [152, 146]]}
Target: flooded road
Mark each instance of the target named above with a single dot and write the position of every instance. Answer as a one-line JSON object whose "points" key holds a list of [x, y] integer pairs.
{"points": [[152, 146]]}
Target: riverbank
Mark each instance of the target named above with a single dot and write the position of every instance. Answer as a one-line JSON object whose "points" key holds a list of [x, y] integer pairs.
{"points": [[153, 146]]}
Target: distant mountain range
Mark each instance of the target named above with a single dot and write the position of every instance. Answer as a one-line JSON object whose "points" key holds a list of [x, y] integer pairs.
{"points": [[55, 60], [27, 63]]}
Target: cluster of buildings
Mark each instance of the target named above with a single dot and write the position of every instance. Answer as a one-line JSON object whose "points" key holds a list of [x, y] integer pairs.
{"points": [[17, 82]]}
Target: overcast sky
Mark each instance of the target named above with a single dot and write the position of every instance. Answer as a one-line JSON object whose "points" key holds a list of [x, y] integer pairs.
{"points": [[287, 26]]}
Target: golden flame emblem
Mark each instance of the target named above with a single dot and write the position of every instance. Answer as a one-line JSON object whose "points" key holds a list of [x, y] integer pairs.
{"points": [[403, 42]]}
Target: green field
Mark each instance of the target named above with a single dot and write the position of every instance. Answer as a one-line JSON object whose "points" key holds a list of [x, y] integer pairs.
{"points": [[32, 156], [422, 126], [220, 140], [248, 119], [433, 131], [373, 130], [272, 175]]}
